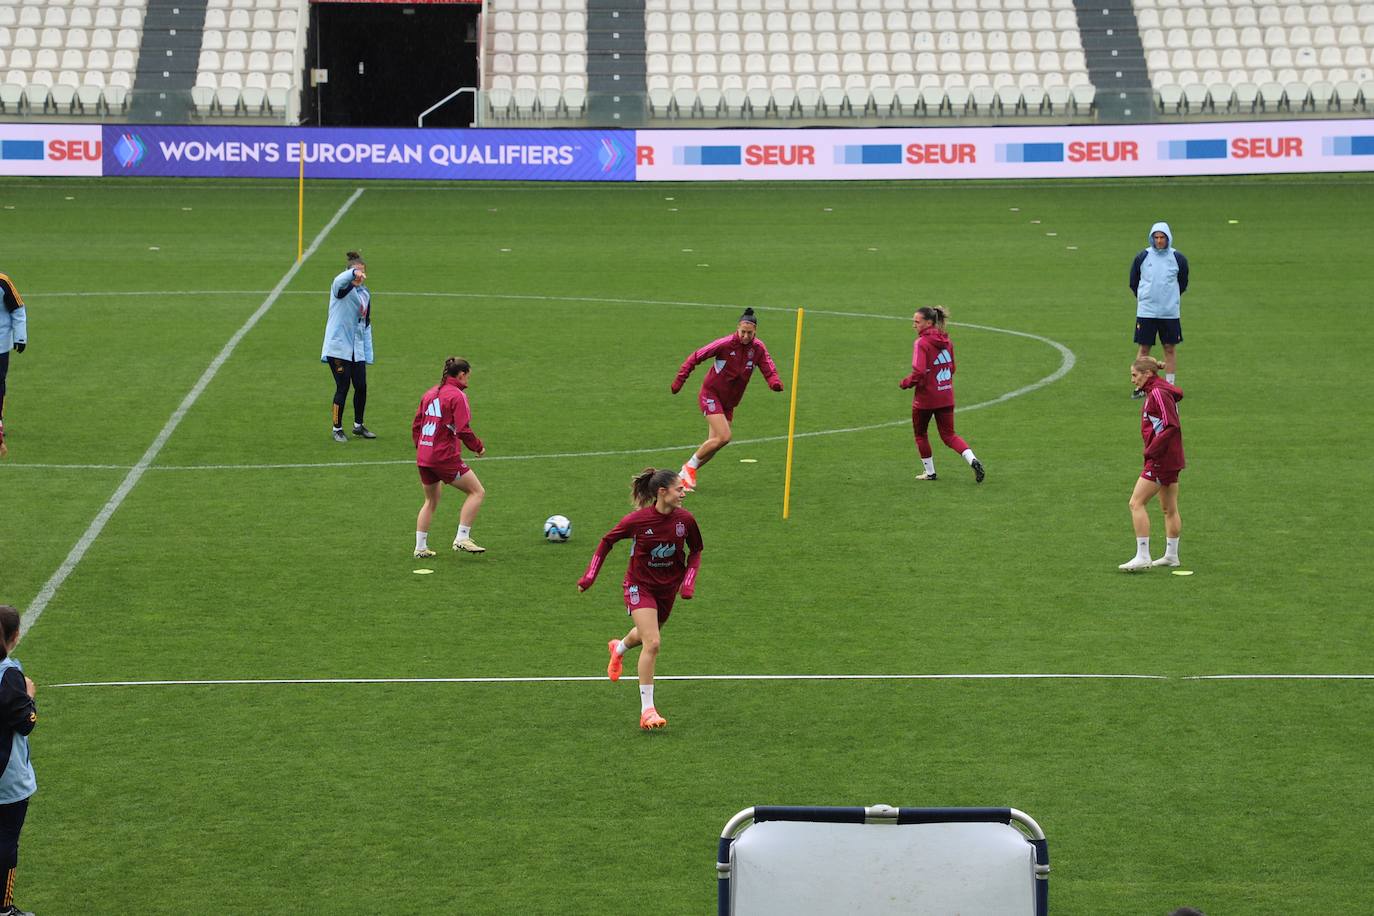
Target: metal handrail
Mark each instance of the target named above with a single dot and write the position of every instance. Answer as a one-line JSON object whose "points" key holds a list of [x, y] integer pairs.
{"points": [[445, 100]]}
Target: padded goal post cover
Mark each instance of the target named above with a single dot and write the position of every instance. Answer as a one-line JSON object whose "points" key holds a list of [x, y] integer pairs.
{"points": [[814, 868]]}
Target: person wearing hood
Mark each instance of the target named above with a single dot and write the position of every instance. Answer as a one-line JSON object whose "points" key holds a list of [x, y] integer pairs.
{"points": [[723, 387], [932, 377], [348, 343], [441, 428], [1163, 436], [14, 335], [1159, 278]]}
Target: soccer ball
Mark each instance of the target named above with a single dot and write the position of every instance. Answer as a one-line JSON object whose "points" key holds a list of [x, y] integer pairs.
{"points": [[557, 528]]}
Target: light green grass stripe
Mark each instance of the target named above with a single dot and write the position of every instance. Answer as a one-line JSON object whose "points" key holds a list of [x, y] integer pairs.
{"points": [[49, 589]]}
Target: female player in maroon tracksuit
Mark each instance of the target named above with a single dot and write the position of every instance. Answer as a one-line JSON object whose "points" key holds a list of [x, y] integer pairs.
{"points": [[441, 424], [662, 533], [721, 390], [1163, 436], [932, 375]]}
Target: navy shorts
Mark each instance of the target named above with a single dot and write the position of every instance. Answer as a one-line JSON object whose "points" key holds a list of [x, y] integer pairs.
{"points": [[1170, 331]]}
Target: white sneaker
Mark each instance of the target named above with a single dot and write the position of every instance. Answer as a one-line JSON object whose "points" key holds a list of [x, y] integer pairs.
{"points": [[1166, 560], [1136, 564]]}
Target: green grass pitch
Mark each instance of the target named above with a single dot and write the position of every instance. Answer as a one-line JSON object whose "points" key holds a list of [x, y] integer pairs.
{"points": [[253, 547]]}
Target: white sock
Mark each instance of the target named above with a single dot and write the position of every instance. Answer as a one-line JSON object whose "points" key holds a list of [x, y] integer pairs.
{"points": [[928, 464], [621, 648], [646, 697], [1171, 547], [422, 540], [1169, 377], [968, 456], [1142, 547], [692, 462], [464, 531]]}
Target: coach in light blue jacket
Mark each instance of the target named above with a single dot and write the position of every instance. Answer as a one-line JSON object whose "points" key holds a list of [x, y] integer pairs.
{"points": [[1159, 278], [14, 335], [348, 343]]}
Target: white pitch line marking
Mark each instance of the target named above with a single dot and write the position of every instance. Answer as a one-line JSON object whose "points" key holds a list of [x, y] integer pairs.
{"points": [[45, 594], [252, 682], [1066, 363]]}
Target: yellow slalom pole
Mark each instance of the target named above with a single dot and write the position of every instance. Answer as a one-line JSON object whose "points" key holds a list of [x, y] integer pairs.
{"points": [[792, 417], [300, 209]]}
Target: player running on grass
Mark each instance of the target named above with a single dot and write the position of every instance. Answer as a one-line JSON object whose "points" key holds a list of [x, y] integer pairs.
{"points": [[723, 387], [441, 424], [932, 375], [662, 533]]}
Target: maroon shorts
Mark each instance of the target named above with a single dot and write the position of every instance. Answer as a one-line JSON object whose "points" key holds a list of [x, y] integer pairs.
{"points": [[442, 475], [710, 405], [1162, 476], [638, 596]]}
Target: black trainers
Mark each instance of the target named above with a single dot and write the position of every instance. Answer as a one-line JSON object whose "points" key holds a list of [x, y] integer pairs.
{"points": [[13, 910], [1137, 394], [930, 476], [338, 437], [362, 432], [978, 472]]}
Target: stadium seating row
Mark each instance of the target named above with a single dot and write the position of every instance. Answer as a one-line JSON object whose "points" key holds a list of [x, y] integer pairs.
{"points": [[1151, 15], [82, 17], [245, 101], [60, 39], [1275, 36], [64, 97], [250, 4], [1248, 97], [536, 5], [880, 102], [783, 42], [861, 5], [217, 20], [264, 40], [801, 22], [545, 64], [212, 68], [875, 62]]}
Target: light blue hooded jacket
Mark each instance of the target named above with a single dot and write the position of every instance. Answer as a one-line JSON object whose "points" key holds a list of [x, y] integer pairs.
{"points": [[14, 325], [348, 333], [1159, 278]]}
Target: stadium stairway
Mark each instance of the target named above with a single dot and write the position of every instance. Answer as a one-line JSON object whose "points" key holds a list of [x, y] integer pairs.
{"points": [[616, 78], [1115, 59], [167, 61]]}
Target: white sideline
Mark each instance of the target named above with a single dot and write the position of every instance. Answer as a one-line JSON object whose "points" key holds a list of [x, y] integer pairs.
{"points": [[602, 677], [264, 682], [45, 594]]}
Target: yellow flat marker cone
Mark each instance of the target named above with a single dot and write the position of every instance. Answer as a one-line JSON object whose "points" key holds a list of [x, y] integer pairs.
{"points": [[422, 571], [1183, 572]]}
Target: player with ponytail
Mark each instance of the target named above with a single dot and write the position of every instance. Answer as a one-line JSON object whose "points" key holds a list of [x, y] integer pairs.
{"points": [[441, 428], [665, 555], [723, 387], [932, 375]]}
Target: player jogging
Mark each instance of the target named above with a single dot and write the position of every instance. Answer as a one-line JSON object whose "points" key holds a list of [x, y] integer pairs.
{"points": [[932, 375], [723, 387], [1163, 436], [441, 429], [665, 554]]}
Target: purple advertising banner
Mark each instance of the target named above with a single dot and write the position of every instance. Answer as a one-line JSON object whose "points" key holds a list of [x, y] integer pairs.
{"points": [[359, 153]]}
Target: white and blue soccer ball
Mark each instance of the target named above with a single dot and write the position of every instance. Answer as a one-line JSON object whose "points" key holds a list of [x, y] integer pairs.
{"points": [[557, 528]]}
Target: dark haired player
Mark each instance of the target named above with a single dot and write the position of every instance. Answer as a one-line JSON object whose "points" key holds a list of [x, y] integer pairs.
{"points": [[932, 377], [721, 390], [441, 428], [665, 554]]}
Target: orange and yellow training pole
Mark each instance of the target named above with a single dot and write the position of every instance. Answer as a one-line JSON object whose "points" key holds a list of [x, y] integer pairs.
{"points": [[792, 418]]}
